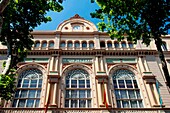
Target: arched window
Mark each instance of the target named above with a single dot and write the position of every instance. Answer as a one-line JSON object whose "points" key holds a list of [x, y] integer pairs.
{"points": [[126, 89], [77, 45], [116, 44], [124, 45], [109, 44], [130, 45], [78, 92], [62, 44], [91, 45], [37, 44], [70, 44], [44, 44], [51, 44], [164, 46], [102, 44], [28, 89], [84, 45]]}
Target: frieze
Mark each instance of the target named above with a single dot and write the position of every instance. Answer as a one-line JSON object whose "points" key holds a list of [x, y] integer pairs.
{"points": [[77, 60]]}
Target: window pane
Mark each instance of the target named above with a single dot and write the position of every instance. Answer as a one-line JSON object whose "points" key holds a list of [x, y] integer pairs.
{"points": [[109, 45], [82, 94], [77, 45], [118, 104], [81, 83], [117, 94], [82, 103], [129, 84], [31, 94], [88, 93], [123, 94], [67, 83], [24, 93], [125, 104], [138, 94], [37, 44], [84, 45], [135, 84], [73, 93], [21, 103], [130, 45], [25, 83], [19, 83], [51, 44], [38, 93], [37, 103], [14, 103], [74, 103], [140, 104], [115, 84], [74, 83], [44, 44], [116, 45], [17, 94], [67, 94], [66, 103], [40, 83], [123, 45], [133, 103], [89, 103], [62, 44], [88, 83], [121, 84], [69, 44], [33, 84], [30, 103], [91, 45], [132, 94]]}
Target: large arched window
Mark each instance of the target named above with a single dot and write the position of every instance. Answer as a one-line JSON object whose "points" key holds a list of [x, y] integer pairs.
{"points": [[28, 89], [126, 89], [78, 91]]}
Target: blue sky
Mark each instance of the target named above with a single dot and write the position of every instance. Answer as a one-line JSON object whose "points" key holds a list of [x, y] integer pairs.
{"points": [[71, 7]]}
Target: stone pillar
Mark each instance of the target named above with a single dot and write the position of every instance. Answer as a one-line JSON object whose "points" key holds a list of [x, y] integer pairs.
{"points": [[101, 64], [53, 81], [141, 64], [97, 64], [51, 63]]}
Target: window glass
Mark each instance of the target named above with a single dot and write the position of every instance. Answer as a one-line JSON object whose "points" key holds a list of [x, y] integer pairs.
{"points": [[123, 45], [79, 95], [109, 45], [51, 44], [77, 45], [102, 44], [128, 93], [130, 45], [91, 45], [44, 44], [37, 44], [70, 44], [62, 44], [29, 94], [84, 44], [116, 44]]}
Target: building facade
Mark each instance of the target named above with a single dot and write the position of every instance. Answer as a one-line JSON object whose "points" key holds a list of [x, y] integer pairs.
{"points": [[76, 68]]}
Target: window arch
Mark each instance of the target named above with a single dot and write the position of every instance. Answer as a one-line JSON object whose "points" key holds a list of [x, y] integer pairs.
{"points": [[44, 44], [91, 45], [62, 44], [28, 89], [51, 44], [84, 44], [70, 44], [102, 44], [123, 45], [126, 89], [78, 89], [77, 44], [130, 45], [109, 44], [37, 44], [116, 44]]}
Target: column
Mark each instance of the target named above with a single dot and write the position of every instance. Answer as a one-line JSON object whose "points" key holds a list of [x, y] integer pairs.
{"points": [[101, 64], [145, 64], [141, 64], [51, 63], [99, 94], [56, 63], [97, 64]]}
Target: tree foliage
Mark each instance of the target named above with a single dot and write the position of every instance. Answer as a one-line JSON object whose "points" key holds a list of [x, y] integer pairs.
{"points": [[139, 19], [20, 17]]}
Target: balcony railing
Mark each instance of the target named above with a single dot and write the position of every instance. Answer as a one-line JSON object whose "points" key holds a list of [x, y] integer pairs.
{"points": [[85, 110]]}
